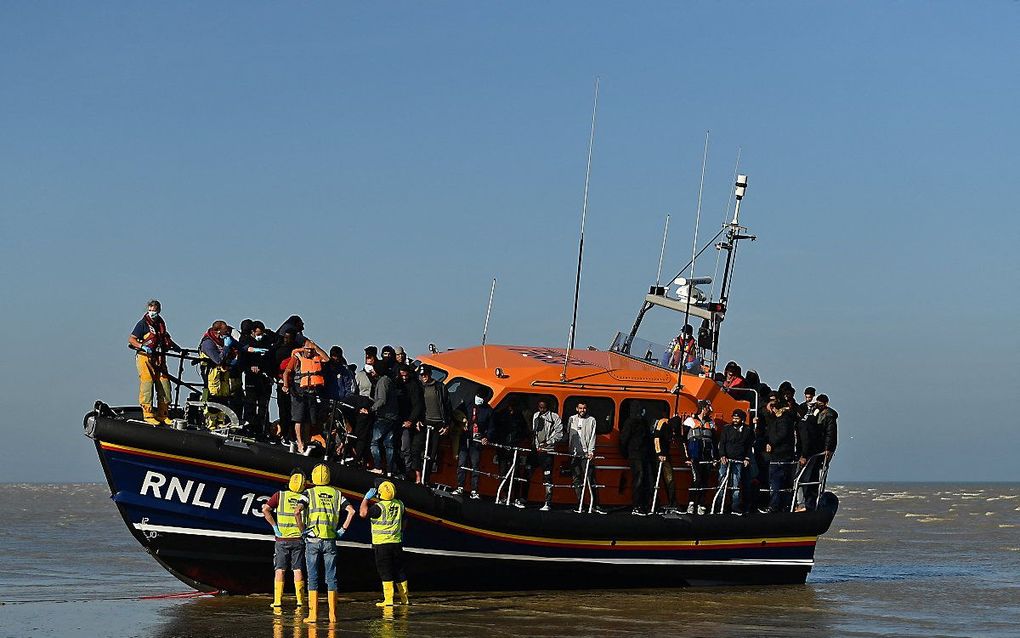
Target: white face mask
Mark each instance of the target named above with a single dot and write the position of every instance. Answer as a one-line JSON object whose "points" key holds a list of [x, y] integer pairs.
{"points": [[153, 314], [258, 337], [479, 400]]}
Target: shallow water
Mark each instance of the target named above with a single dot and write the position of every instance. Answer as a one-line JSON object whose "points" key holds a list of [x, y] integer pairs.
{"points": [[903, 559]]}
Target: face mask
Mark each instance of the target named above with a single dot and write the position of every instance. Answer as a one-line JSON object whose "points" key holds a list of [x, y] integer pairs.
{"points": [[479, 400], [258, 337], [153, 314]]}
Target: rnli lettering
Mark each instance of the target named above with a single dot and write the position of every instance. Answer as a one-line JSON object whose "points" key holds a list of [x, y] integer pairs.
{"points": [[189, 492]]}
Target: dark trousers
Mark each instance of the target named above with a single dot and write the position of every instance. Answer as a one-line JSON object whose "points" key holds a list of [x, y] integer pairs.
{"points": [[699, 494], [639, 489], [469, 455], [258, 389], [428, 431], [780, 479], [389, 560], [543, 461]]}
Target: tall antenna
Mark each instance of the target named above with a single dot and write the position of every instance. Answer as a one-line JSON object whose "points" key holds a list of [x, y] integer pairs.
{"points": [[488, 310], [662, 252], [694, 258], [580, 245]]}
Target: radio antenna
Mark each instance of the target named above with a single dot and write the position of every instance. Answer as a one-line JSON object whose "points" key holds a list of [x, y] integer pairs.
{"points": [[690, 282], [580, 245], [488, 310], [662, 252]]}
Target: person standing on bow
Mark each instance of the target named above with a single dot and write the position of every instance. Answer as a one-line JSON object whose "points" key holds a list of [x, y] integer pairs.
{"points": [[304, 380], [735, 443], [288, 525], [151, 340], [216, 350], [325, 505], [387, 516]]}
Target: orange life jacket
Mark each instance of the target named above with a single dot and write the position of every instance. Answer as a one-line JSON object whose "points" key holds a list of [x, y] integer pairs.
{"points": [[308, 370]]}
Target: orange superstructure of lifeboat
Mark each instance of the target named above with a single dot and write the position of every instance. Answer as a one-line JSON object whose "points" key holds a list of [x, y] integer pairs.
{"points": [[610, 383]]}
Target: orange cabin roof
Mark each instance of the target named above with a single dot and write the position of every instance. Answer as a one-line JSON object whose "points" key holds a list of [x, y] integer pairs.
{"points": [[538, 369]]}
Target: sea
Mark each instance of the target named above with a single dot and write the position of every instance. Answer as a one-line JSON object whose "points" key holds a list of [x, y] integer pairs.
{"points": [[901, 559]]}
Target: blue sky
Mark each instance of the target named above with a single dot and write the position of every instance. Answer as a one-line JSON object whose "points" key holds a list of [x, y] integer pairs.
{"points": [[373, 167]]}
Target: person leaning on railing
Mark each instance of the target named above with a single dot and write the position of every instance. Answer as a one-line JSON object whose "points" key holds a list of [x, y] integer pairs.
{"points": [[478, 431], [581, 428], [546, 432]]}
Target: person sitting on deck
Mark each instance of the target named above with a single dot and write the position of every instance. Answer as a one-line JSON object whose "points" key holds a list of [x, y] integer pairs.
{"points": [[701, 451], [151, 340], [304, 381], [685, 351], [479, 429], [581, 428]]}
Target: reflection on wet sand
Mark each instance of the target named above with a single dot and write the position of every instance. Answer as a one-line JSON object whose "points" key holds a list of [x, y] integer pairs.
{"points": [[795, 609]]}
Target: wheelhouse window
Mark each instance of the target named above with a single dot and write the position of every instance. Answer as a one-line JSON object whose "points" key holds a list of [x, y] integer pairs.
{"points": [[527, 403], [651, 410], [462, 392], [602, 408]]}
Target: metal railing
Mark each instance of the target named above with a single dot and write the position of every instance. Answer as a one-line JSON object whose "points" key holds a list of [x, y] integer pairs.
{"points": [[798, 484]]}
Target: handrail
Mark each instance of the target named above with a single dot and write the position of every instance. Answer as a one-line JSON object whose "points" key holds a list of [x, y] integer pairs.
{"points": [[797, 482]]}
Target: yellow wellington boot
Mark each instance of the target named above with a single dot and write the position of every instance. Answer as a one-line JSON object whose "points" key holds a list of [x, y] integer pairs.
{"points": [[313, 602], [149, 416], [387, 591], [299, 592], [331, 597], [277, 594], [402, 590]]}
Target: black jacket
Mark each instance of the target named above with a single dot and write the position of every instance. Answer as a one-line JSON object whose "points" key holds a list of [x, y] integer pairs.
{"points": [[411, 400], [827, 429], [510, 426], [780, 433], [735, 443], [635, 438]]}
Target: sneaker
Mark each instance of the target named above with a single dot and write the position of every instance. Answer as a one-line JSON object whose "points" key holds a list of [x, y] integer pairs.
{"points": [[637, 512], [800, 509], [764, 510], [544, 508], [475, 495], [701, 509], [690, 508], [737, 513], [458, 491], [599, 510], [519, 504]]}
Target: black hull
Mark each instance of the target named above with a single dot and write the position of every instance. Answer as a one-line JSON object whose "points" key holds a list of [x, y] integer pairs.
{"points": [[212, 539]]}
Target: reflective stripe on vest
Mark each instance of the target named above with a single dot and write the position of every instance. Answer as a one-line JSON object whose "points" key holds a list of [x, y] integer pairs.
{"points": [[285, 518], [389, 526], [324, 511], [308, 370]]}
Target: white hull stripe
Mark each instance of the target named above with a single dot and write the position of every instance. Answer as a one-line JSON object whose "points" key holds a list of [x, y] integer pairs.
{"points": [[784, 562]]}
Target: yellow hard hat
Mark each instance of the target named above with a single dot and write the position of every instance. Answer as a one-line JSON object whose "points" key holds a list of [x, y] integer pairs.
{"points": [[387, 491], [297, 482], [320, 474]]}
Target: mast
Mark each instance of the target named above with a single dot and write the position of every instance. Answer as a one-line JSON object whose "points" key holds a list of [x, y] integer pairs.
{"points": [[733, 235], [580, 245], [488, 310]]}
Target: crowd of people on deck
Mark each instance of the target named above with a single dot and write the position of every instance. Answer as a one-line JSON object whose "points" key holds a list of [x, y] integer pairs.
{"points": [[396, 413]]}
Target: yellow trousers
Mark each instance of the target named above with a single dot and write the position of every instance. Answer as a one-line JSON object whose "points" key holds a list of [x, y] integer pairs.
{"points": [[151, 381]]}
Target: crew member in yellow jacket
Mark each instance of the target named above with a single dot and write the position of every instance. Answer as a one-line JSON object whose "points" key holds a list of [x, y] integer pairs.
{"points": [[288, 525], [387, 516]]}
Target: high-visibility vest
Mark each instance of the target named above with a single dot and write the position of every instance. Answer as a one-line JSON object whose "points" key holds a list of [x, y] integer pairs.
{"points": [[285, 514], [308, 370], [388, 528], [323, 511]]}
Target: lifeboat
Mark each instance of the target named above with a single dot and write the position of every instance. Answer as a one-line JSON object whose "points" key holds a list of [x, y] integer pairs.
{"points": [[192, 497]]}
